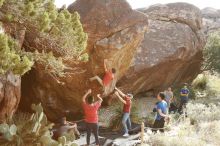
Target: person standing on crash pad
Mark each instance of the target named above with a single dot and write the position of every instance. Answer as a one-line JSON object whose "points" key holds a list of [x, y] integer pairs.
{"points": [[91, 115], [107, 79]]}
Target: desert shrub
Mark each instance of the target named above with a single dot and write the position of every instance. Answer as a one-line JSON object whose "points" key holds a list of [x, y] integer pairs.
{"points": [[212, 53], [10, 57], [214, 84], [52, 30], [201, 112], [149, 120], [115, 122], [206, 86], [200, 82], [206, 131], [45, 20]]}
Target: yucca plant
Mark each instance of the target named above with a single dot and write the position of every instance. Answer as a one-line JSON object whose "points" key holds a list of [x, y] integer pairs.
{"points": [[116, 121]]}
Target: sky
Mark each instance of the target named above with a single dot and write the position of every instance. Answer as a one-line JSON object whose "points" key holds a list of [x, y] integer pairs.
{"points": [[145, 3]]}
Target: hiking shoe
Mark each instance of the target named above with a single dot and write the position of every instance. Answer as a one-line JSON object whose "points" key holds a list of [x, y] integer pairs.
{"points": [[126, 135]]}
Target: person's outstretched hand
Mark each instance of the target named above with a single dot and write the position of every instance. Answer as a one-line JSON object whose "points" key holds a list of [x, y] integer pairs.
{"points": [[116, 92], [89, 91]]}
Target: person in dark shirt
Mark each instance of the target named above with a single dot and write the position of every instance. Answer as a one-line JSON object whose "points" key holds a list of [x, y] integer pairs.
{"points": [[184, 97], [162, 113], [126, 100], [65, 128]]}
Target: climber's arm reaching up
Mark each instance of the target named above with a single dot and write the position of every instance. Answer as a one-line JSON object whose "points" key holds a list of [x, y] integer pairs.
{"points": [[105, 65], [85, 95], [99, 98], [119, 97], [120, 92]]}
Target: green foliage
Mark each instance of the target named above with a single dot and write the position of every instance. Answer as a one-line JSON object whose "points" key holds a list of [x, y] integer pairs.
{"points": [[212, 53], [30, 130], [10, 57], [61, 31], [84, 57], [116, 124], [54, 65], [204, 131], [61, 27], [1, 2], [200, 82]]}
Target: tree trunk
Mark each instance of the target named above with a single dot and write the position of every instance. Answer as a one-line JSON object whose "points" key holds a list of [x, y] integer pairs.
{"points": [[10, 93]]}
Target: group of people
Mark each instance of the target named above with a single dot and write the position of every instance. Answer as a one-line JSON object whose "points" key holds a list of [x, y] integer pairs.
{"points": [[91, 107], [163, 106]]}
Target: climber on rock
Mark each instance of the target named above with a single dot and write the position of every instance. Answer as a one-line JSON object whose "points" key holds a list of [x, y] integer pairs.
{"points": [[91, 115], [126, 100], [107, 79]]}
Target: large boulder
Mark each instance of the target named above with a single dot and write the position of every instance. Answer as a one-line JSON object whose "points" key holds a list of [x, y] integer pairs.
{"points": [[211, 20], [171, 52], [115, 31]]}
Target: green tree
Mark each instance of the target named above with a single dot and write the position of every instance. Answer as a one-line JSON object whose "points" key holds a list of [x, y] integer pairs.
{"points": [[51, 35], [212, 53], [11, 59]]}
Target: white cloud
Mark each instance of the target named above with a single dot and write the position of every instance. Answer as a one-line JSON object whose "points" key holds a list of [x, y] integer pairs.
{"points": [[145, 3]]}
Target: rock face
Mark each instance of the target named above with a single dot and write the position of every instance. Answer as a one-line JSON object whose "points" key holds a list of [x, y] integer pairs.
{"points": [[211, 20], [10, 93], [115, 31], [171, 52]]}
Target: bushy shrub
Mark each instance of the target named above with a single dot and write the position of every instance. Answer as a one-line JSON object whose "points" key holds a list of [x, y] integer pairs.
{"points": [[212, 53], [116, 121], [42, 18], [10, 57], [52, 30], [206, 131], [200, 82]]}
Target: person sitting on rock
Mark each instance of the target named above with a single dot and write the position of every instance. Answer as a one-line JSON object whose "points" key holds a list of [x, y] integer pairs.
{"points": [[162, 113], [91, 116], [66, 128], [107, 79], [126, 100]]}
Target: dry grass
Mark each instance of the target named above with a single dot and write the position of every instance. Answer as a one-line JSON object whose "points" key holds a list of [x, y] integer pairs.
{"points": [[204, 131]]}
